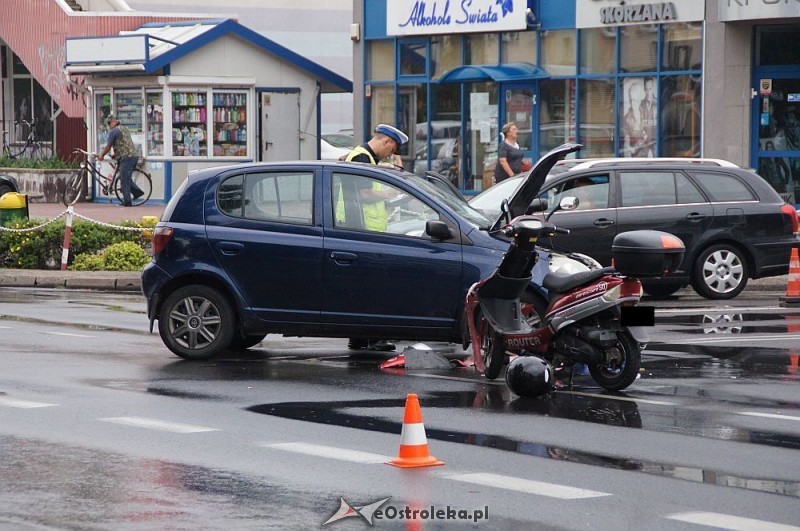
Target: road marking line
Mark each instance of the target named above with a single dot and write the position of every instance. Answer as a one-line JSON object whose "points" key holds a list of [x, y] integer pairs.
{"points": [[726, 521], [155, 424], [769, 415], [550, 490], [23, 404], [623, 398], [331, 452], [717, 311], [66, 334]]}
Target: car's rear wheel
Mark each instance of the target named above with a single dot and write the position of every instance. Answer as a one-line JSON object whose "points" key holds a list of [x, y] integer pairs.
{"points": [[196, 322], [720, 272], [5, 189]]}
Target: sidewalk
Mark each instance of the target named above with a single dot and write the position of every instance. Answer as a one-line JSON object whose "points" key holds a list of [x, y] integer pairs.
{"points": [[105, 212]]}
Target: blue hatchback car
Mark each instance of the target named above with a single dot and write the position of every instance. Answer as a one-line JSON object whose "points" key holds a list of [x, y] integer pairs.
{"points": [[304, 249]]}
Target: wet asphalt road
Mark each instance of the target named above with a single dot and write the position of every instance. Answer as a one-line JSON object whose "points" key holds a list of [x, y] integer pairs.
{"points": [[102, 428]]}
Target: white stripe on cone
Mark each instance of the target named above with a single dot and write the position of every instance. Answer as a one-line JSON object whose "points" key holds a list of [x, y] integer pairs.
{"points": [[413, 435]]}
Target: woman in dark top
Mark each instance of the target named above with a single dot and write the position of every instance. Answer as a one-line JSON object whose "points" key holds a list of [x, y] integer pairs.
{"points": [[509, 155]]}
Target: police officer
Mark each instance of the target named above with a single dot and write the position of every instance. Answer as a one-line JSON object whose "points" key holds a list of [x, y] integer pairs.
{"points": [[384, 143]]}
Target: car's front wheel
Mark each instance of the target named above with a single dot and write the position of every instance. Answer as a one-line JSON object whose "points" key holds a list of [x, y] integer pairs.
{"points": [[196, 322], [720, 272]]}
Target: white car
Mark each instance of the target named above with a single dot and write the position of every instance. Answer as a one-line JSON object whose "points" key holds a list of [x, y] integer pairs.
{"points": [[335, 145]]}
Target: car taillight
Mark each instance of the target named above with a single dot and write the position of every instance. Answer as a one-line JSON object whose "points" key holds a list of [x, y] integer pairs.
{"points": [[161, 237], [790, 211]]}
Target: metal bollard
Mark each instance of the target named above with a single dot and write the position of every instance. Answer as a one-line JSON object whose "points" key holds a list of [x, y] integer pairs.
{"points": [[67, 236]]}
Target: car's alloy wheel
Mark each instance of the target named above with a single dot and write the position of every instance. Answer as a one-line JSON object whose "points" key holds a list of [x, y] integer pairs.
{"points": [[196, 322], [720, 272]]}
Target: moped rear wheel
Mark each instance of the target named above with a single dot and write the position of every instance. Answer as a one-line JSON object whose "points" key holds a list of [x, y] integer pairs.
{"points": [[493, 351], [620, 366]]}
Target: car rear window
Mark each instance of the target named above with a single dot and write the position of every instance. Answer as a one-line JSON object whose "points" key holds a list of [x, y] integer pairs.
{"points": [[285, 197], [649, 188], [724, 187]]}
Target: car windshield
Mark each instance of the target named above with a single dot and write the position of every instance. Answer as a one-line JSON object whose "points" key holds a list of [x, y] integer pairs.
{"points": [[491, 198], [451, 200], [340, 140]]}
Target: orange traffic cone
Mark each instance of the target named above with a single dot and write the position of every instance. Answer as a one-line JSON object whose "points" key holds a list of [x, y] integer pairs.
{"points": [[792, 297], [413, 441]]}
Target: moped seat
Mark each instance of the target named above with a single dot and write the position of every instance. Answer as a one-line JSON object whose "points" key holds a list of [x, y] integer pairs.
{"points": [[563, 282]]}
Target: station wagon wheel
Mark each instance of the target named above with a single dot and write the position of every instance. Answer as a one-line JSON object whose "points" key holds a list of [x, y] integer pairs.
{"points": [[720, 272], [196, 322]]}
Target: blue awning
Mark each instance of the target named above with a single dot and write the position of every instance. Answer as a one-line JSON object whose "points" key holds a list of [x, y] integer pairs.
{"points": [[498, 73]]}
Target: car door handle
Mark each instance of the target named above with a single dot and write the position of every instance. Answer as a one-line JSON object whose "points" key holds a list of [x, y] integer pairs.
{"points": [[603, 222], [696, 216], [343, 258], [230, 248]]}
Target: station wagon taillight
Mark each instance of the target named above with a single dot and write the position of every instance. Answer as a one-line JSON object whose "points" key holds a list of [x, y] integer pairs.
{"points": [[792, 213], [161, 237]]}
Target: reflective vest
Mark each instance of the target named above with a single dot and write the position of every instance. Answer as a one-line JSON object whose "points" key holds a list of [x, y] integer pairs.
{"points": [[375, 216]]}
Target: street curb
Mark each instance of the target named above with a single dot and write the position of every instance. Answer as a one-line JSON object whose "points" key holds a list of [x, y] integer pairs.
{"points": [[128, 281]]}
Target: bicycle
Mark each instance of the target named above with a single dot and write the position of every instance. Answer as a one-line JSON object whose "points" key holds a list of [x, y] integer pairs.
{"points": [[89, 173], [32, 143]]}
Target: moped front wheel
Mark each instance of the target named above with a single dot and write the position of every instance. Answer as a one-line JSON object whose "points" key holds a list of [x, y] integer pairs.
{"points": [[620, 365], [493, 351]]}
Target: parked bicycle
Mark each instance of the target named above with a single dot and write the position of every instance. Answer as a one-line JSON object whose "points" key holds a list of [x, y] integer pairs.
{"points": [[88, 173], [31, 149]]}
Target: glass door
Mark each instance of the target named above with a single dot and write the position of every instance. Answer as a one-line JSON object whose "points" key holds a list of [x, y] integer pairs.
{"points": [[777, 149], [519, 106], [482, 135]]}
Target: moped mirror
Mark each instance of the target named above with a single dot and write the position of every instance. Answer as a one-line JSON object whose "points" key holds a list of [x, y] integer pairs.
{"points": [[438, 230], [505, 216]]}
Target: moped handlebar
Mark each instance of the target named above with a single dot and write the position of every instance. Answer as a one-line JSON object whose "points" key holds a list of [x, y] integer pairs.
{"points": [[559, 230]]}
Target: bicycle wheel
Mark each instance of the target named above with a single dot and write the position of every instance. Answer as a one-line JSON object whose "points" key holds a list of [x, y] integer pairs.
{"points": [[74, 188], [142, 180]]}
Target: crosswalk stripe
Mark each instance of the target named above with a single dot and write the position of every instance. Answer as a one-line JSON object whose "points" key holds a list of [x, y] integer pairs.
{"points": [[330, 452], [154, 424], [22, 404], [65, 334], [726, 521], [539, 488], [769, 415]]}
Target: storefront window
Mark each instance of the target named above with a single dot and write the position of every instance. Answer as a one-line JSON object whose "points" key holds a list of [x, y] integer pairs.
{"points": [[230, 124], [23, 99], [381, 107], [445, 133], [597, 102], [445, 54], [189, 138], [380, 60], [778, 45], [638, 48], [413, 56], [481, 49], [558, 52], [683, 46], [128, 108], [598, 51], [482, 135], [412, 118], [557, 113], [638, 117], [102, 108], [154, 114], [680, 118], [518, 47]]}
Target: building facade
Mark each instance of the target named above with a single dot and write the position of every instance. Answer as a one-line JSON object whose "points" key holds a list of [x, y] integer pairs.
{"points": [[685, 78]]}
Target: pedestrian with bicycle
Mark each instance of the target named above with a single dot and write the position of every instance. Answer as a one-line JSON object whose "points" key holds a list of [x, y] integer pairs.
{"points": [[119, 138]]}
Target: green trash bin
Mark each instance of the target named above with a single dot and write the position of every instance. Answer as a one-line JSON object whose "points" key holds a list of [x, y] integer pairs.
{"points": [[13, 206]]}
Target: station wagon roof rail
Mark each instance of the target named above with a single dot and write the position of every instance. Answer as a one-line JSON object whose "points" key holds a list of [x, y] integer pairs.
{"points": [[594, 163]]}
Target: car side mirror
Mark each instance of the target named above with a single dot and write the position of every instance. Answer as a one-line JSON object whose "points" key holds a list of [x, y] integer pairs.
{"points": [[438, 230], [537, 205], [569, 203]]}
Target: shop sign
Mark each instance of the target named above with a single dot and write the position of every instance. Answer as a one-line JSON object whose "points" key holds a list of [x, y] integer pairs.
{"points": [[765, 87], [603, 13], [757, 9], [429, 17]]}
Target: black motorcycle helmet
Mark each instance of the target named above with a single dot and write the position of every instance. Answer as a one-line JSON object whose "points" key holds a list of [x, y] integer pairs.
{"points": [[530, 376]]}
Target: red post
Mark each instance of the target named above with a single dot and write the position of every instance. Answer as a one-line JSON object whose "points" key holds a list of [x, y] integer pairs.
{"points": [[67, 236]]}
